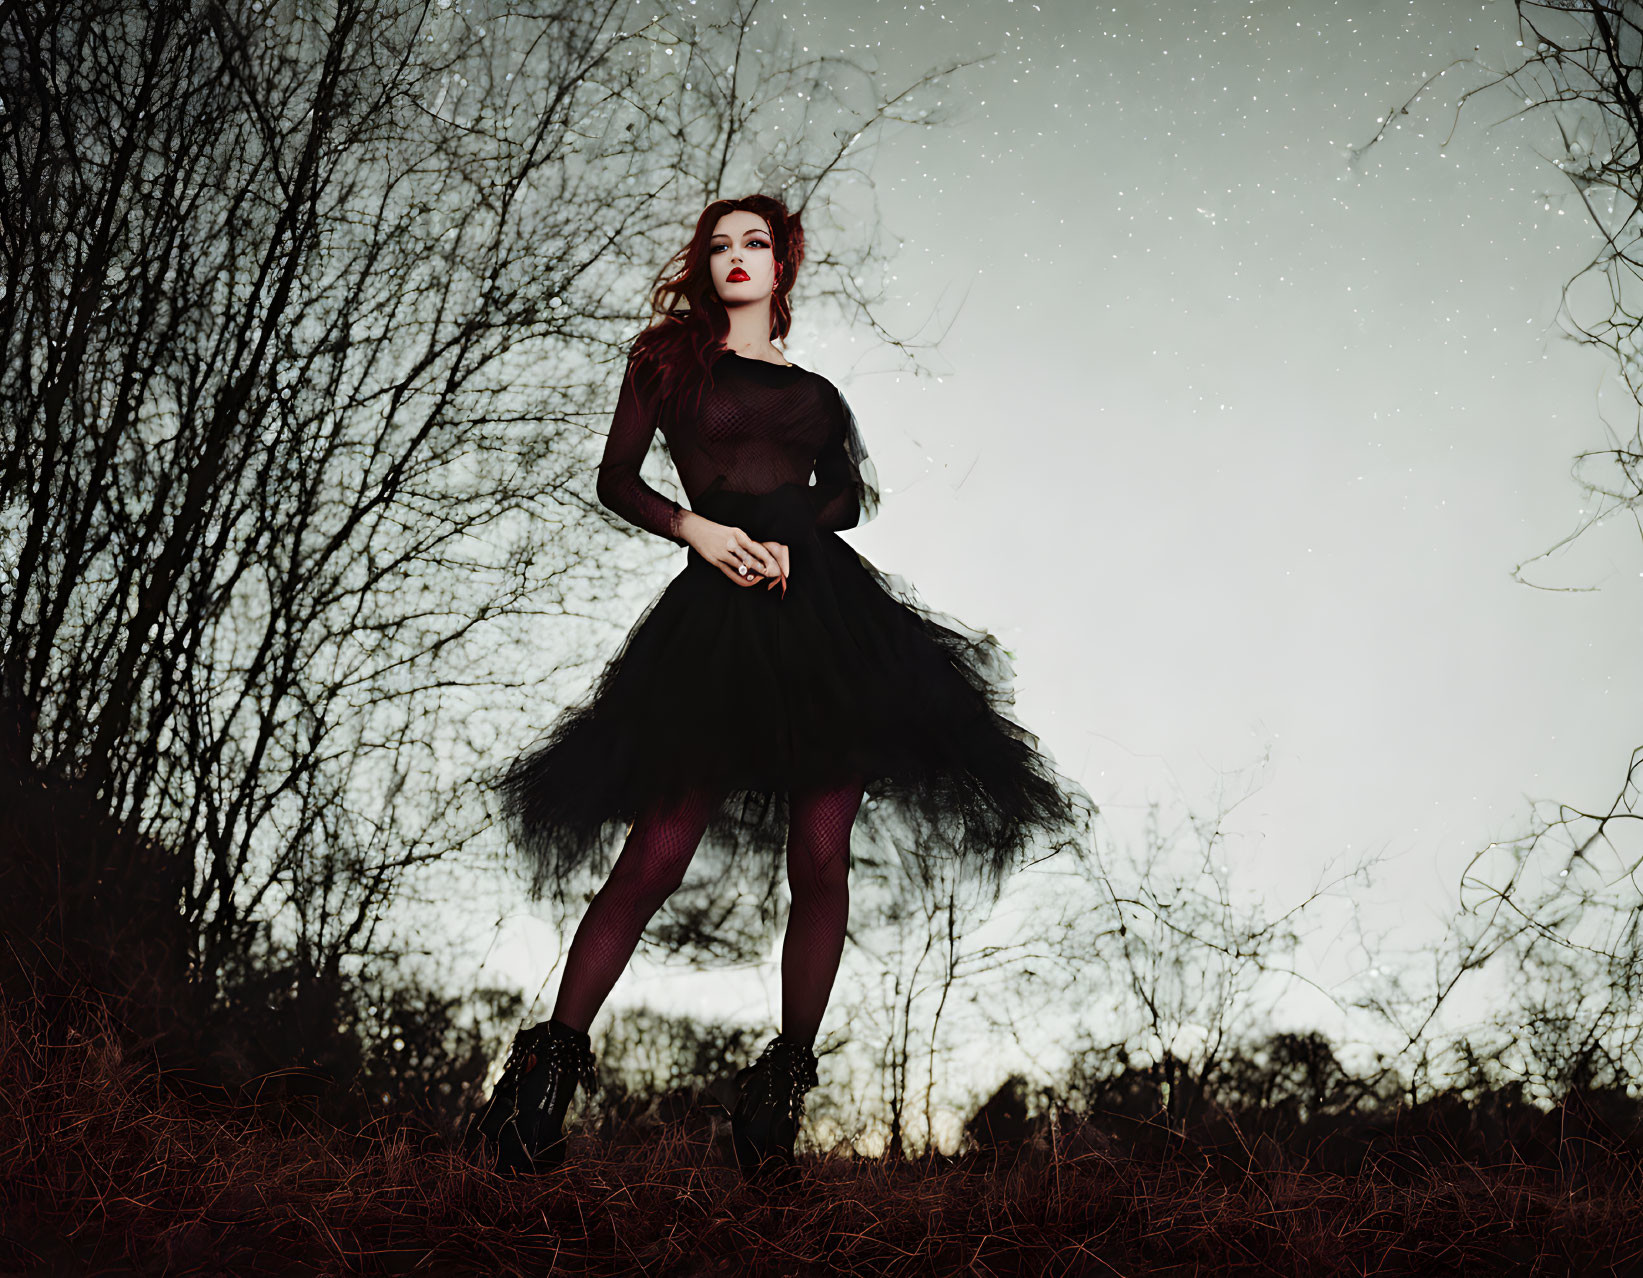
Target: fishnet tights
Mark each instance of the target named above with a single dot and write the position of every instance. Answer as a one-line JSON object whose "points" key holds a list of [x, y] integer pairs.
{"points": [[818, 875], [652, 865]]}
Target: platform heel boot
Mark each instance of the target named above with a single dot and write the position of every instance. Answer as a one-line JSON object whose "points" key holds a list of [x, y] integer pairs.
{"points": [[522, 1125], [770, 1106]]}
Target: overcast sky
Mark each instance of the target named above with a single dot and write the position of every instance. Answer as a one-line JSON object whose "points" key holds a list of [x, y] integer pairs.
{"points": [[1237, 446], [1240, 445]]}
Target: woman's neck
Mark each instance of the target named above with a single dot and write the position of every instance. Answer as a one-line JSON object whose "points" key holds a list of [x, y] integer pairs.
{"points": [[750, 332]]}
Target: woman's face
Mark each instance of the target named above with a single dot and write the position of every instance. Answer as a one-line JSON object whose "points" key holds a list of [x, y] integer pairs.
{"points": [[742, 258]]}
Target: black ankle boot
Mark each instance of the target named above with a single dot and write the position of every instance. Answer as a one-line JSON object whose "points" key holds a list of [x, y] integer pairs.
{"points": [[522, 1124], [771, 1105]]}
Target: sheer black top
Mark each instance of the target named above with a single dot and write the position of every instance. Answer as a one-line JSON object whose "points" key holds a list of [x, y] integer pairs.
{"points": [[760, 425]]}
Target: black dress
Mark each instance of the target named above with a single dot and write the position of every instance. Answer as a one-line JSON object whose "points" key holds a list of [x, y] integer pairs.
{"points": [[754, 691]]}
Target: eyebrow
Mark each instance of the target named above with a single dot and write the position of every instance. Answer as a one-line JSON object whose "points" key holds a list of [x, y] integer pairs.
{"points": [[720, 235]]}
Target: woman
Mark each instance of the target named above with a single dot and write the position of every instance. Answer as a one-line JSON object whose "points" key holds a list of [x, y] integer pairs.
{"points": [[775, 680]]}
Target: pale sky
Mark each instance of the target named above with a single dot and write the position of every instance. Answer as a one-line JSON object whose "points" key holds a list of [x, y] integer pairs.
{"points": [[1234, 445], [1257, 439]]}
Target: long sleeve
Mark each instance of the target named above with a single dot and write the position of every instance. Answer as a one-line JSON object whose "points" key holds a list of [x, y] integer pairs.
{"points": [[846, 491], [620, 488]]}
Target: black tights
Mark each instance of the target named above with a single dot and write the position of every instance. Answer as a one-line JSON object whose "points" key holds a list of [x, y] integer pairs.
{"points": [[652, 864]]}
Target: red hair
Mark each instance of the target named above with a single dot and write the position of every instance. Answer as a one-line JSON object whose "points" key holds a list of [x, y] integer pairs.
{"points": [[682, 346]]}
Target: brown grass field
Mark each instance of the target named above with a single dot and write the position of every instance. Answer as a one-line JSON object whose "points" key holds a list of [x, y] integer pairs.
{"points": [[111, 1164]]}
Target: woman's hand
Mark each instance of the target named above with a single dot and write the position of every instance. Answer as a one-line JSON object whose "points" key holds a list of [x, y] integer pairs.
{"points": [[745, 561], [784, 563]]}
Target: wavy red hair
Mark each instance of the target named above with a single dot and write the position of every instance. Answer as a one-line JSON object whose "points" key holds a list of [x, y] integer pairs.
{"points": [[689, 322]]}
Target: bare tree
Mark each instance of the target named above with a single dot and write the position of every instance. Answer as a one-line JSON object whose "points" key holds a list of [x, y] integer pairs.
{"points": [[1144, 958], [1195, 963], [1554, 912]]}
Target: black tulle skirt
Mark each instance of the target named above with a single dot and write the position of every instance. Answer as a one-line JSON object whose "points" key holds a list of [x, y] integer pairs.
{"points": [[845, 678]]}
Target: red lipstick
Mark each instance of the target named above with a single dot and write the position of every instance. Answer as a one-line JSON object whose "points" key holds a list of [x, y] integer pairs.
{"points": [[736, 273]]}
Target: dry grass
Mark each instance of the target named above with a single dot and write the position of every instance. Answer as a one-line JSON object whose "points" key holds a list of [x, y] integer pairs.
{"points": [[108, 1165]]}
